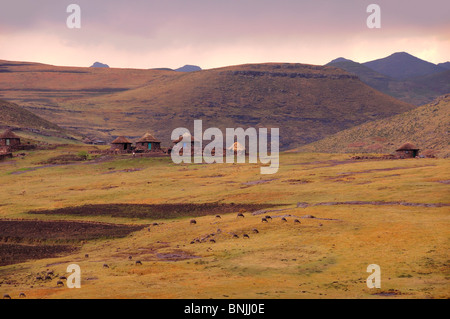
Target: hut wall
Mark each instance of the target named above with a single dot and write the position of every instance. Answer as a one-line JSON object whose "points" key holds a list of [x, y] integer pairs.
{"points": [[9, 142], [143, 146], [121, 147], [407, 154]]}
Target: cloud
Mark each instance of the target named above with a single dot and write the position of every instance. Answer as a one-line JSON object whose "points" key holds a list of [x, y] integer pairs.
{"points": [[213, 33]]}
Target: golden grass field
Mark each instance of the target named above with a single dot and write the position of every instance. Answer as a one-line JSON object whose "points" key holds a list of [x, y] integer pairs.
{"points": [[318, 258]]}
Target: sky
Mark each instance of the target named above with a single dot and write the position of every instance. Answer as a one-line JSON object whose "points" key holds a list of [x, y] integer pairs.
{"points": [[214, 33]]}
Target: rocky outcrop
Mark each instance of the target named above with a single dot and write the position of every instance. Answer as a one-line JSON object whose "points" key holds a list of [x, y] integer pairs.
{"points": [[293, 75]]}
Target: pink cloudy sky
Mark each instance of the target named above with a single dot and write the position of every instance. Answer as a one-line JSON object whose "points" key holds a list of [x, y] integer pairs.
{"points": [[214, 33]]}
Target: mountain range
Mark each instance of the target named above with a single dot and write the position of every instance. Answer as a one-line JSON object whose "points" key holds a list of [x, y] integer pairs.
{"points": [[185, 68], [402, 65], [307, 102], [402, 76]]}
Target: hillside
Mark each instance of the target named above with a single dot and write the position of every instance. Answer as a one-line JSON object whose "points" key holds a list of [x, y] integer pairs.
{"points": [[426, 127], [306, 102], [444, 65], [417, 90], [402, 65], [16, 117], [37, 85], [372, 78]]}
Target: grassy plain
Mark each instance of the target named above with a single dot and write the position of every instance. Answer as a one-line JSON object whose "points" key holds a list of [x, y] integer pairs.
{"points": [[322, 257]]}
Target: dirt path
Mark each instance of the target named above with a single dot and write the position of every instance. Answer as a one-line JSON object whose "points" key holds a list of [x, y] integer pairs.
{"points": [[91, 162]]}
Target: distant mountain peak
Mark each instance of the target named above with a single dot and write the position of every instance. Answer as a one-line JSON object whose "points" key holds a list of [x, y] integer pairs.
{"points": [[99, 65], [340, 59], [402, 65], [412, 87], [189, 68], [402, 53]]}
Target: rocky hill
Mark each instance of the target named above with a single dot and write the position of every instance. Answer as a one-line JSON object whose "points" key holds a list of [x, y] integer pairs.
{"points": [[15, 117], [433, 81], [427, 127]]}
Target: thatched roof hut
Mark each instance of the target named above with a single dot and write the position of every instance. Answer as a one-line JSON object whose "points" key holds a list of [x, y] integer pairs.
{"points": [[121, 143], [121, 140], [407, 150], [236, 148], [148, 143], [407, 147], [148, 138], [9, 140], [9, 134], [186, 136]]}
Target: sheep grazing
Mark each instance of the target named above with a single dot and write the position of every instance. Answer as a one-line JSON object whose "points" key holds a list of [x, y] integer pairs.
{"points": [[218, 216], [22, 295], [155, 224], [246, 236], [268, 217], [192, 242], [63, 277], [86, 256], [235, 236], [49, 272], [296, 221], [105, 266], [193, 222], [240, 215], [38, 278], [212, 240], [283, 219], [48, 278], [59, 283], [6, 296], [130, 257], [264, 220], [320, 225], [255, 231], [138, 262]]}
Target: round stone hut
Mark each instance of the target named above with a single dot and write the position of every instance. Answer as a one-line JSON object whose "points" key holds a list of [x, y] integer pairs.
{"points": [[407, 150], [121, 144], [9, 141], [148, 143]]}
